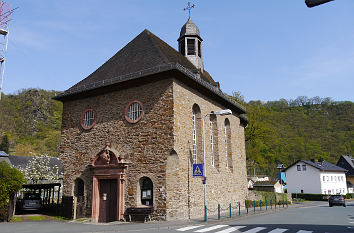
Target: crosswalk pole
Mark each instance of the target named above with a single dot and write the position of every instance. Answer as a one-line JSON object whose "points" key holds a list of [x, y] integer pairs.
{"points": [[205, 213], [218, 211], [230, 209]]}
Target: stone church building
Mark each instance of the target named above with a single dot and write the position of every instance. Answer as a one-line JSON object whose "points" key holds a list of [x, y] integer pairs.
{"points": [[132, 130]]}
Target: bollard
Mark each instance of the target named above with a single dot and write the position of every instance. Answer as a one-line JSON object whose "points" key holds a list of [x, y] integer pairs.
{"points": [[260, 205], [218, 211], [283, 203], [254, 206], [230, 209], [205, 213], [247, 206], [275, 204], [266, 203], [287, 206], [239, 209], [270, 203]]}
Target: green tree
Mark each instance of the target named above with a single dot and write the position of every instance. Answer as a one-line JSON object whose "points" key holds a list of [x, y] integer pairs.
{"points": [[4, 146], [11, 181]]}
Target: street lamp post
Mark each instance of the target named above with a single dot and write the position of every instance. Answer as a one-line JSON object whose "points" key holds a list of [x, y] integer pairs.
{"points": [[220, 113]]}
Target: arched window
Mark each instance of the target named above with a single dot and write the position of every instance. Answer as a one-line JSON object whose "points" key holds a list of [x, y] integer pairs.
{"points": [[228, 152], [197, 134], [146, 188], [79, 187], [214, 154]]}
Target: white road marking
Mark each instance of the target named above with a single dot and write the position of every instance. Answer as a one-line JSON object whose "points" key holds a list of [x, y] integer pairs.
{"points": [[189, 228], [302, 231], [231, 229], [254, 230], [278, 230], [211, 228]]}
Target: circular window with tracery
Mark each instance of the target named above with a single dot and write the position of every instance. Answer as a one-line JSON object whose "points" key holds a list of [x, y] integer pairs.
{"points": [[134, 111], [88, 119]]}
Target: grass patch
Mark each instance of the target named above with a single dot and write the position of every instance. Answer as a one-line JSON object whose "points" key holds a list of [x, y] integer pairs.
{"points": [[61, 218], [16, 219], [37, 218]]}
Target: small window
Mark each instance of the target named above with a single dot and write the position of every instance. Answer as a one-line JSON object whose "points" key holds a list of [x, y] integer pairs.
{"points": [[88, 119], [331, 178], [134, 111], [191, 46], [298, 167], [304, 167], [324, 178]]}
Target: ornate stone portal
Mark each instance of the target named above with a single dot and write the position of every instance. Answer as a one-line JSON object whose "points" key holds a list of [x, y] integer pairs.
{"points": [[108, 185]]}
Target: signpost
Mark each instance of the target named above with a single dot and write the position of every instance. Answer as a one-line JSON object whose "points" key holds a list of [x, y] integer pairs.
{"points": [[198, 170]]}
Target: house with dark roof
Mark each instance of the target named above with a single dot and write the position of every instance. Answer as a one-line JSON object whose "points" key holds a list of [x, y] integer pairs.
{"points": [[268, 186], [317, 177], [133, 130], [347, 162]]}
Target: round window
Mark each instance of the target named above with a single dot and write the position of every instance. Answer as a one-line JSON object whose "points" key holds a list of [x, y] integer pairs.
{"points": [[134, 111], [88, 119]]}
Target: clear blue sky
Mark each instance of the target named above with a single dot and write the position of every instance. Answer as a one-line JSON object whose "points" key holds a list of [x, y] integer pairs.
{"points": [[266, 49]]}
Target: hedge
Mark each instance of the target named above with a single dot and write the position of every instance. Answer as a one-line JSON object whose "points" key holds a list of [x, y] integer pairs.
{"points": [[310, 196]]}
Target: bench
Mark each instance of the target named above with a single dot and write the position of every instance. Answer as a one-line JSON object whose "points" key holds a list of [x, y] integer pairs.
{"points": [[139, 213]]}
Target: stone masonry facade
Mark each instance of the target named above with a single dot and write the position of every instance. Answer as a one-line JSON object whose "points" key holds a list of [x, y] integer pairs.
{"points": [[158, 147]]}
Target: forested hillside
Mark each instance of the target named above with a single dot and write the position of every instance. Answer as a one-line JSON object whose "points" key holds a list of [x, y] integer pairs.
{"points": [[31, 120], [278, 131], [305, 128]]}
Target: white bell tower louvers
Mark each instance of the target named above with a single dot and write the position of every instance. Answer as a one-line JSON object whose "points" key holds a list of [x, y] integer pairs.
{"points": [[190, 42]]}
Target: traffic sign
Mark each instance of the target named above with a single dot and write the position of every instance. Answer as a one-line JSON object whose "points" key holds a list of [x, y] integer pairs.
{"points": [[197, 170]]}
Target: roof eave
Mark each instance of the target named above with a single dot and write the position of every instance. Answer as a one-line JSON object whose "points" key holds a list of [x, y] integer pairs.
{"points": [[73, 92]]}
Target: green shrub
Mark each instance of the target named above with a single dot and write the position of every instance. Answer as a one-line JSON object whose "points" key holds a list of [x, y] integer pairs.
{"points": [[11, 181], [349, 195]]}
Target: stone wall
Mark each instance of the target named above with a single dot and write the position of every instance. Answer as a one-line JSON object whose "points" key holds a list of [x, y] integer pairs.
{"points": [[184, 193], [146, 143], [159, 147]]}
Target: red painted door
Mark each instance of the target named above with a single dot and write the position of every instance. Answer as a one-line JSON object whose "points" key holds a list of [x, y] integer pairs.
{"points": [[108, 200]]}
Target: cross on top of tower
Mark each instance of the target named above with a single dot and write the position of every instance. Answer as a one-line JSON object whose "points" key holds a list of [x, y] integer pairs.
{"points": [[189, 8]]}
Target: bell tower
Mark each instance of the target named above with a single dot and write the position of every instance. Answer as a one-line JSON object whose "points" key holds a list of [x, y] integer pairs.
{"points": [[190, 44]]}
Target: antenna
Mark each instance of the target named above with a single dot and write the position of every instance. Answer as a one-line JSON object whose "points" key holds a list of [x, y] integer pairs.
{"points": [[5, 13]]}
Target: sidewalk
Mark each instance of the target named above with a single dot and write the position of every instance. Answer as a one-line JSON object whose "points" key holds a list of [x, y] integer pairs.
{"points": [[224, 216]]}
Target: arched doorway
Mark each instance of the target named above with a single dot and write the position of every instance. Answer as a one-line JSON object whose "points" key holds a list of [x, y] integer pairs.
{"points": [[108, 186]]}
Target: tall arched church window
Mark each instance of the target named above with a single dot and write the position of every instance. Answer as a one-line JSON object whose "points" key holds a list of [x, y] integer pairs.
{"points": [[228, 152], [196, 133], [213, 141]]}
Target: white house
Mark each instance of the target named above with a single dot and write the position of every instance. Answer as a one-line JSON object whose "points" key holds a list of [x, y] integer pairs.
{"points": [[315, 177]]}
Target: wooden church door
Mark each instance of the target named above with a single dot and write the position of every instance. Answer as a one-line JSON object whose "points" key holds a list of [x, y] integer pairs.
{"points": [[108, 200]]}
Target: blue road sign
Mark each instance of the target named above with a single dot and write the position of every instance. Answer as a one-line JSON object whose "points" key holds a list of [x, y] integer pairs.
{"points": [[197, 170]]}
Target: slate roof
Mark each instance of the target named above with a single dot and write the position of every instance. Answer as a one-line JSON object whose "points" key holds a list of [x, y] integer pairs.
{"points": [[145, 55], [347, 162], [189, 29], [21, 161], [3, 154], [323, 166]]}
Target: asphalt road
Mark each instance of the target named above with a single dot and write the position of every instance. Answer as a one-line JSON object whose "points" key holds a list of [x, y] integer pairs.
{"points": [[308, 218]]}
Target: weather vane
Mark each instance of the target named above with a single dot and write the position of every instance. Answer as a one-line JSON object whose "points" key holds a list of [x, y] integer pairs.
{"points": [[189, 8]]}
